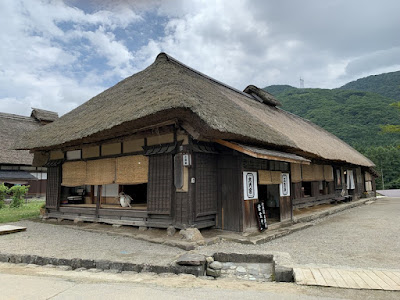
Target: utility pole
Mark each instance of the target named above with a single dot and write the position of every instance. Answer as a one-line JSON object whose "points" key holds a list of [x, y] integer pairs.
{"points": [[383, 181], [301, 83]]}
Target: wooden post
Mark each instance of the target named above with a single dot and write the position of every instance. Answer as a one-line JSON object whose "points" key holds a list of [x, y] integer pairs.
{"points": [[98, 200], [92, 194]]}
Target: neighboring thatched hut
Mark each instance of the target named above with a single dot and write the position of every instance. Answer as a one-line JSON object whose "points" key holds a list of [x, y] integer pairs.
{"points": [[16, 165], [190, 151]]}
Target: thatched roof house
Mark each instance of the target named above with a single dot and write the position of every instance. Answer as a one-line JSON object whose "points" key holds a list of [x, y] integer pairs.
{"points": [[12, 127], [14, 164], [168, 89], [190, 151]]}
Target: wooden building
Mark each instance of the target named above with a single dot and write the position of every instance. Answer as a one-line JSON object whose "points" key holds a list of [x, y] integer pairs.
{"points": [[16, 165], [191, 152]]}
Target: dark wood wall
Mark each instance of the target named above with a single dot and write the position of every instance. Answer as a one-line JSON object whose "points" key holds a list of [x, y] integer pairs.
{"points": [[285, 208], [37, 187], [160, 184], [230, 189], [206, 184], [53, 187]]}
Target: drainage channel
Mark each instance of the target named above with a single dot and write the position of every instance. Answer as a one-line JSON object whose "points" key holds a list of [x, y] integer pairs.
{"points": [[252, 267]]}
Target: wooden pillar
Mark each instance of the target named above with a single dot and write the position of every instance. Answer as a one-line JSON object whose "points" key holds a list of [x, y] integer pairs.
{"points": [[98, 200], [92, 201]]}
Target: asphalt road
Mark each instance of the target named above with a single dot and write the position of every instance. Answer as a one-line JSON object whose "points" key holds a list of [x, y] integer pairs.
{"points": [[389, 193]]}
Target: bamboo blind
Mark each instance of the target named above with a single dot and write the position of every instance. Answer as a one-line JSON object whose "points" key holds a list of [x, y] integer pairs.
{"points": [[328, 173], [312, 172], [132, 169], [269, 177], [89, 152], [73, 173], [264, 177], [295, 170], [307, 172], [276, 177], [101, 171], [368, 176]]}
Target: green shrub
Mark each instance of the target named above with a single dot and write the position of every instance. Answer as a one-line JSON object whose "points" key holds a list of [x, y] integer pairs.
{"points": [[18, 193], [3, 193]]}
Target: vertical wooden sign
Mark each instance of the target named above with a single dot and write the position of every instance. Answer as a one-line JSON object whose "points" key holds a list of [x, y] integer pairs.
{"points": [[261, 216]]}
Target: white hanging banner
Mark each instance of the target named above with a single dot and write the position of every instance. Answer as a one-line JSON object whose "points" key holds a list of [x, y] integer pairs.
{"points": [[350, 180], [284, 186], [250, 185]]}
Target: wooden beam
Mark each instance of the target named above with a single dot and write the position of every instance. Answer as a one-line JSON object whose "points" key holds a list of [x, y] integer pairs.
{"points": [[259, 155]]}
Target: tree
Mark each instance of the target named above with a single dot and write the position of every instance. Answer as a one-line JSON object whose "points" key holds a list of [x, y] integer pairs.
{"points": [[392, 128], [3, 193], [18, 193]]}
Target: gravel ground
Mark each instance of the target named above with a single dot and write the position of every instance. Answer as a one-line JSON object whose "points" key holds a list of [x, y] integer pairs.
{"points": [[362, 237], [58, 241]]}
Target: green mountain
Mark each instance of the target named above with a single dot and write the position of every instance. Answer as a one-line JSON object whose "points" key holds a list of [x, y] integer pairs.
{"points": [[278, 89], [356, 116], [387, 85]]}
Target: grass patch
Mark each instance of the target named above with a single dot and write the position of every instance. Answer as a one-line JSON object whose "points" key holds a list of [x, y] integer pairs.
{"points": [[26, 211]]}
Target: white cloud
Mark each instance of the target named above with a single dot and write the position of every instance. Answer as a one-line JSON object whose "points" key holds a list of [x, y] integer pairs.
{"points": [[57, 54], [276, 42], [44, 63]]}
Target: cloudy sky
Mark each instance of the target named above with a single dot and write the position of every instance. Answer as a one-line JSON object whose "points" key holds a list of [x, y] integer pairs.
{"points": [[58, 54]]}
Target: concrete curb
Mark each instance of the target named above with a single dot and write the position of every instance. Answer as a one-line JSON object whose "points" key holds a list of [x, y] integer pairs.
{"points": [[280, 273], [77, 263]]}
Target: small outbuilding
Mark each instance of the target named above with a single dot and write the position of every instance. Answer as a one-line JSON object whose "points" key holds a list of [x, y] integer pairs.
{"points": [[16, 165], [190, 151]]}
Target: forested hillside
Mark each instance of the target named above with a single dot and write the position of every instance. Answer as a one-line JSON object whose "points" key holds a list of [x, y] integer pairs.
{"points": [[387, 84], [356, 117]]}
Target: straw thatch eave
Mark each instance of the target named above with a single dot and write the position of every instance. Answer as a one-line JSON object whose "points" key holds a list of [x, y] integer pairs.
{"points": [[166, 89]]}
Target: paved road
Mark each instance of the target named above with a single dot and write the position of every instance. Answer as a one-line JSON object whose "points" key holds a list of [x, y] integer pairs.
{"points": [[389, 193], [21, 282]]}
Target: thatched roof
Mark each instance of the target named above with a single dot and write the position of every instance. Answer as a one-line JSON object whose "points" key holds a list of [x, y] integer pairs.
{"points": [[45, 116], [12, 127], [168, 89]]}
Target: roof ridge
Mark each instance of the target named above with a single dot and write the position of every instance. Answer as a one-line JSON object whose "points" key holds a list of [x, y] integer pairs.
{"points": [[41, 109], [174, 60], [16, 117]]}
